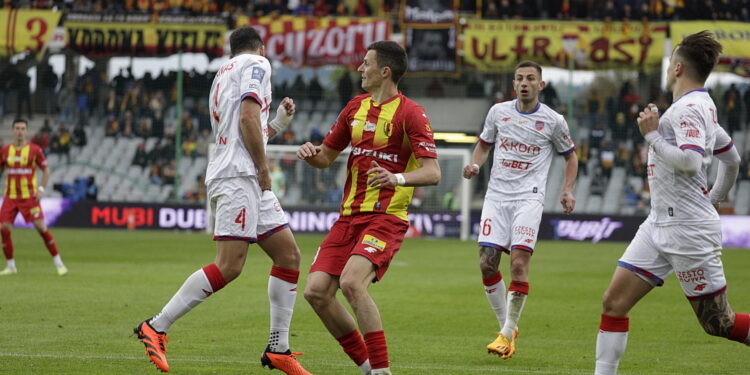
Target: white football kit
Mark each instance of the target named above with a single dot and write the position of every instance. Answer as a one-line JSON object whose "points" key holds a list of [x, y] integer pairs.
{"points": [[524, 144], [683, 231], [240, 209]]}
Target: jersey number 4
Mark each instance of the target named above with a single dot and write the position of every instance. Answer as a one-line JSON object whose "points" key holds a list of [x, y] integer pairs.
{"points": [[240, 219]]}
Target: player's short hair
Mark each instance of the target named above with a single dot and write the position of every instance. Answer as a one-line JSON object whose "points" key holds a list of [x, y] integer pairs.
{"points": [[244, 38], [392, 55], [701, 52], [16, 121], [529, 63]]}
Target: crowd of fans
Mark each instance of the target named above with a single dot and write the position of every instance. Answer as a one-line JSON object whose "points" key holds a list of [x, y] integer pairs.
{"points": [[612, 10]]}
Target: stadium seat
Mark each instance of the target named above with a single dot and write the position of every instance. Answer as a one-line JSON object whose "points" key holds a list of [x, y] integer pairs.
{"points": [[611, 201], [742, 203], [593, 205]]}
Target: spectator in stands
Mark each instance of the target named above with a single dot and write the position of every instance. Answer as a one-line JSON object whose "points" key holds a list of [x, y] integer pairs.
{"points": [[620, 129], [79, 138], [66, 100], [637, 162], [596, 135], [155, 175], [606, 158], [732, 109], [112, 128], [168, 172], [594, 107], [41, 138], [298, 89], [346, 88], [584, 154], [549, 96], [190, 146], [5, 87], [598, 183], [362, 9], [302, 9], [622, 155], [143, 129], [48, 88], [60, 142], [321, 8], [278, 179], [202, 143], [141, 156], [314, 92], [20, 85], [341, 8], [92, 191]]}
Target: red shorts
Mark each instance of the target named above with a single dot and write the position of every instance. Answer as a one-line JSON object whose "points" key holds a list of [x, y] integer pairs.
{"points": [[377, 237], [29, 208]]}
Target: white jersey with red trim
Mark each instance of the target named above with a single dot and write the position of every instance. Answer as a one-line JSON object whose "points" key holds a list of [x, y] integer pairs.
{"points": [[524, 143], [245, 76], [691, 124]]}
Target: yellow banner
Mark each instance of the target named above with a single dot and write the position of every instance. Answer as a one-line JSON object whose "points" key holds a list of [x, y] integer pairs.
{"points": [[26, 30], [497, 46], [143, 39], [733, 36]]}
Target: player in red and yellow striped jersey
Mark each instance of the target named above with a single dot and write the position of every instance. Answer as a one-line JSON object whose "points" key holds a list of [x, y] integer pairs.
{"points": [[20, 159], [392, 151]]}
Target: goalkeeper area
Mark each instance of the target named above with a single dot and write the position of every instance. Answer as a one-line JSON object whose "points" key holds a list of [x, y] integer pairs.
{"points": [[432, 301]]}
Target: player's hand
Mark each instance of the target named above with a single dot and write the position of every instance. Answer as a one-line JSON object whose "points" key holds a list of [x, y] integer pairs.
{"points": [[264, 179], [288, 104], [38, 197], [568, 201], [380, 177], [307, 151], [471, 170], [648, 119]]}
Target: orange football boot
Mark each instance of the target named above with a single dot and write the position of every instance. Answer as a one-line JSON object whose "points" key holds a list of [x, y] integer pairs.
{"points": [[285, 362], [154, 342]]}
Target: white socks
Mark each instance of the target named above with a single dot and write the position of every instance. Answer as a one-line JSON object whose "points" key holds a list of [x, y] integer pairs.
{"points": [[281, 295], [609, 348], [192, 292], [11, 263], [58, 261], [365, 367], [496, 297], [517, 294]]}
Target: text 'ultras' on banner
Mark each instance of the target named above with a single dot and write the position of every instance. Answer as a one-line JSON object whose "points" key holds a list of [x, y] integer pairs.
{"points": [[497, 46]]}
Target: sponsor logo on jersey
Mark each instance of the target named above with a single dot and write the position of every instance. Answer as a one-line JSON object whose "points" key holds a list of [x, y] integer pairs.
{"points": [[370, 249], [356, 151], [428, 146], [539, 125], [388, 128], [692, 133], [20, 170], [427, 126], [505, 119], [258, 73], [699, 287], [374, 242], [369, 126], [355, 123], [506, 144], [515, 164]]}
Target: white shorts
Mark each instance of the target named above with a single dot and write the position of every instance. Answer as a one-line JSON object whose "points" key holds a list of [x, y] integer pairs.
{"points": [[692, 252], [510, 225], [242, 212]]}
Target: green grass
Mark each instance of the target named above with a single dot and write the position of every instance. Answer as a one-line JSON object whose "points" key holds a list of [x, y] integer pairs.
{"points": [[436, 317]]}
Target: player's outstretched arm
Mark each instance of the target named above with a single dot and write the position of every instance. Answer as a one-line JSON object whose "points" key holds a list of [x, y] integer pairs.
{"points": [[428, 173], [284, 115], [318, 156], [478, 157], [252, 138], [567, 200]]}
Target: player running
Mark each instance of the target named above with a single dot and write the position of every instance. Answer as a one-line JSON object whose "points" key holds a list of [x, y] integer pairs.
{"points": [[525, 134], [683, 232], [22, 194], [245, 208], [392, 151]]}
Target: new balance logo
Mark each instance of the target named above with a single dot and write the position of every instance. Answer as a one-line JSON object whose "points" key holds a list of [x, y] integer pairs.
{"points": [[207, 293], [699, 287]]}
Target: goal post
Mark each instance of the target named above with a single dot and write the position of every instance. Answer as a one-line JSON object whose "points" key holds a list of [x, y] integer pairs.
{"points": [[301, 186]]}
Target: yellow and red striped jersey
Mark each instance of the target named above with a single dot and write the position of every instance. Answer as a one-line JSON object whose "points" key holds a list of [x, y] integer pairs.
{"points": [[395, 134], [21, 164]]}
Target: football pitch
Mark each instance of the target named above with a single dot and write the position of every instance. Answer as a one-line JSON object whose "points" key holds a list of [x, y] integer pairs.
{"points": [[436, 317]]}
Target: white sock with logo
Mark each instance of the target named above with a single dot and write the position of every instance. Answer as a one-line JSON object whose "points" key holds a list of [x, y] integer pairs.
{"points": [[192, 292], [495, 291], [281, 295]]}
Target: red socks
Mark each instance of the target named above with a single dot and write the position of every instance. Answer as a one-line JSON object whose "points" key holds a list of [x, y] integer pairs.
{"points": [[377, 349], [7, 244], [740, 331], [354, 347], [49, 241], [614, 323], [214, 276]]}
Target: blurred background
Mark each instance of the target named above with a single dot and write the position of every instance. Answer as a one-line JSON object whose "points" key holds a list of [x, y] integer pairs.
{"points": [[116, 94]]}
